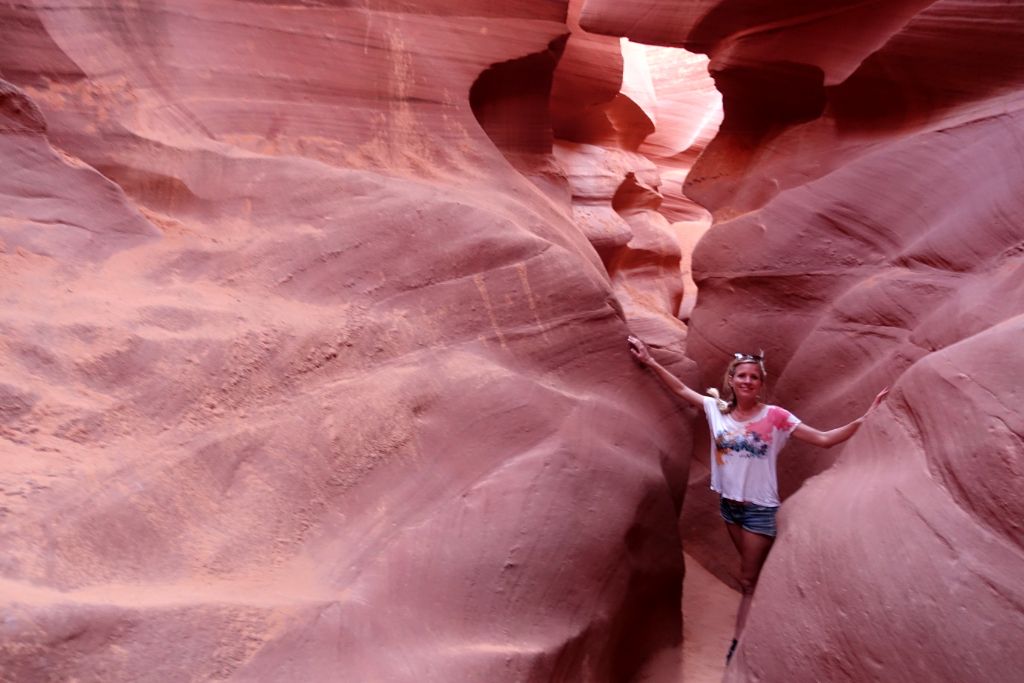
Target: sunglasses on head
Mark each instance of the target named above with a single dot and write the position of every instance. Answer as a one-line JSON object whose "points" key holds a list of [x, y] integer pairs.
{"points": [[748, 357]]}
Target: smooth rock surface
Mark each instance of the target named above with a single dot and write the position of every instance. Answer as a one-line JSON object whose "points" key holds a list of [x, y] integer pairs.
{"points": [[307, 371], [625, 146], [867, 233], [313, 319]]}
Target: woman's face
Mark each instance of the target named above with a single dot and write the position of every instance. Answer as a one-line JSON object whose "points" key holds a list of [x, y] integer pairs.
{"points": [[746, 380]]}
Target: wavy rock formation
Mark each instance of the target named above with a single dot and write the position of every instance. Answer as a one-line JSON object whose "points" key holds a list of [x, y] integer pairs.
{"points": [[312, 360], [621, 142], [307, 371], [864, 185]]}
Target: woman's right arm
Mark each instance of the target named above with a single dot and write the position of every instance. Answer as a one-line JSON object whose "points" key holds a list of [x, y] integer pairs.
{"points": [[674, 384]]}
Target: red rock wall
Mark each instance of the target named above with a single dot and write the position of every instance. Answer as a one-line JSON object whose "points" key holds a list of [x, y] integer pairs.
{"points": [[625, 146], [312, 355], [301, 378], [865, 186]]}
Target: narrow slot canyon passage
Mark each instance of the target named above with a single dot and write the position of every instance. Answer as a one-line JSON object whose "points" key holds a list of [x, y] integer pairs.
{"points": [[789, 176], [313, 362], [625, 123], [626, 145], [834, 180]]}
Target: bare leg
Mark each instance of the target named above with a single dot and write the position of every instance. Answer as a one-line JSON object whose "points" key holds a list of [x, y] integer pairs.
{"points": [[753, 552], [736, 534]]}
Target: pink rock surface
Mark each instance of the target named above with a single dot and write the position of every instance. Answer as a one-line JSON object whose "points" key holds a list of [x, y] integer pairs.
{"points": [[685, 110], [863, 184], [926, 585], [865, 202], [302, 379], [312, 364], [625, 146]]}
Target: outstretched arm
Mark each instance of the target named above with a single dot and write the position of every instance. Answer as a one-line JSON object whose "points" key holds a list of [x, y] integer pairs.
{"points": [[839, 434], [673, 383]]}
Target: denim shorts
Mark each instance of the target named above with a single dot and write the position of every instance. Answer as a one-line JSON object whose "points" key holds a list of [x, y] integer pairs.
{"points": [[756, 518]]}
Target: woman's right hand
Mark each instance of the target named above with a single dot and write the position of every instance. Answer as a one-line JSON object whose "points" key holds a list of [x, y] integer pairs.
{"points": [[639, 350], [877, 402]]}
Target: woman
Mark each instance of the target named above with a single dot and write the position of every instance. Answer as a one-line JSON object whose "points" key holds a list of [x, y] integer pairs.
{"points": [[746, 437]]}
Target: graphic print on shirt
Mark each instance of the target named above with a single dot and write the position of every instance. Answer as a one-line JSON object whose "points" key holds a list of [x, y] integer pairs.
{"points": [[755, 439]]}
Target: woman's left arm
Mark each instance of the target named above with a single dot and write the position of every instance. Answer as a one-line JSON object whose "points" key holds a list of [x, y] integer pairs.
{"points": [[839, 434]]}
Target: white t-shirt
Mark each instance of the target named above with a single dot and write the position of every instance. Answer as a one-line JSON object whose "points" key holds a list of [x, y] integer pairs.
{"points": [[744, 452]]}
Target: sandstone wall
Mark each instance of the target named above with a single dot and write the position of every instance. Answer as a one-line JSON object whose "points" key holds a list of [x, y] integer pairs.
{"points": [[313, 319], [307, 371], [868, 231]]}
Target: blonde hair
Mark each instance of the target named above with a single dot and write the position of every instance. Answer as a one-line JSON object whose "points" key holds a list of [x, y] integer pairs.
{"points": [[728, 403]]}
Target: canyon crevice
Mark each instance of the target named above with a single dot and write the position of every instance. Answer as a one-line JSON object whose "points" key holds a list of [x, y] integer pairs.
{"points": [[313, 359]]}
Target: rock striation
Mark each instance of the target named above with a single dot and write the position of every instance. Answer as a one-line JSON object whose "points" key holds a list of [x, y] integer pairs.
{"points": [[312, 360], [867, 232], [307, 370]]}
